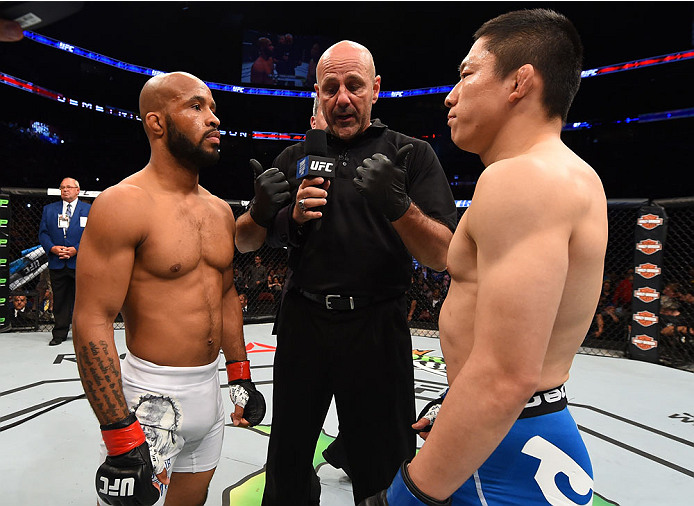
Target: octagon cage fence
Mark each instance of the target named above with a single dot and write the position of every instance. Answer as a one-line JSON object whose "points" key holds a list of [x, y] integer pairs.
{"points": [[23, 272]]}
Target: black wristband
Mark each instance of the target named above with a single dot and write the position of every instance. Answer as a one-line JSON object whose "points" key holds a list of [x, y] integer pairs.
{"points": [[120, 424], [430, 501]]}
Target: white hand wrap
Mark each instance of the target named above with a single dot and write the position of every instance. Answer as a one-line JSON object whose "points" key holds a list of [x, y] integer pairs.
{"points": [[432, 413], [239, 395]]}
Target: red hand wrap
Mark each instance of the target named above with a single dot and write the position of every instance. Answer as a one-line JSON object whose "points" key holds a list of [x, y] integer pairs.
{"points": [[120, 441], [239, 370]]}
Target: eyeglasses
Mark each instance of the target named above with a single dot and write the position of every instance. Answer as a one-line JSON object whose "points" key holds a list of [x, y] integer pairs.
{"points": [[64, 187]]}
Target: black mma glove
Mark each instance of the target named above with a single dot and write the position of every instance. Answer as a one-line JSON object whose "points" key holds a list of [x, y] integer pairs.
{"points": [[271, 194], [243, 393], [125, 478], [382, 183], [403, 492], [431, 411]]}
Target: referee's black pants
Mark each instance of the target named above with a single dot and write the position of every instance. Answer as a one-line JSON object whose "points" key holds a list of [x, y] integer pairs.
{"points": [[364, 358], [63, 286]]}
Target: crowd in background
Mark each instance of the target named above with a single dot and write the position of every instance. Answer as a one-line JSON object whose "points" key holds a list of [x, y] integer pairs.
{"points": [[613, 316]]}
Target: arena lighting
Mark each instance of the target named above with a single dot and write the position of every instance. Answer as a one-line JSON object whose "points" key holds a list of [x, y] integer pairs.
{"points": [[646, 62], [642, 118], [608, 69], [21, 84]]}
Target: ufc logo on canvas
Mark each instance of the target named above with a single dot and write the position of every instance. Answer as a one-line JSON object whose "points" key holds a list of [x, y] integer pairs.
{"points": [[119, 488]]}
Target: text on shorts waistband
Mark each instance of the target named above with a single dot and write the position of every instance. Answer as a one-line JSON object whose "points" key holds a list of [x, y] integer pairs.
{"points": [[545, 402]]}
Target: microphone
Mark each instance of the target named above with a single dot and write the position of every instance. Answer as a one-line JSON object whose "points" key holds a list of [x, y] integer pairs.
{"points": [[316, 163]]}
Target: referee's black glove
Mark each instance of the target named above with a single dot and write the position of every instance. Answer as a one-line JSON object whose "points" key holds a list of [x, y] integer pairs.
{"points": [[271, 194], [382, 183]]}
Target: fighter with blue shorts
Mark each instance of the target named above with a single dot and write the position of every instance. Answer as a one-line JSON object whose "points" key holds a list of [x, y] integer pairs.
{"points": [[542, 460], [526, 262]]}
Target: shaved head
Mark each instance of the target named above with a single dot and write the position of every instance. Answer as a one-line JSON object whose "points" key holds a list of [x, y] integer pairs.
{"points": [[178, 115], [161, 89], [347, 50]]}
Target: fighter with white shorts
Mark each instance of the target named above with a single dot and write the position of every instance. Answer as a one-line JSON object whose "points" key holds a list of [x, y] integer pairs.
{"points": [[181, 413]]}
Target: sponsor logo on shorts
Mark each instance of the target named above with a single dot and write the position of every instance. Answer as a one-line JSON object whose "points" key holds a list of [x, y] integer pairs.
{"points": [[649, 246], [644, 342], [554, 462], [645, 318], [648, 271], [650, 221], [551, 396], [646, 294]]}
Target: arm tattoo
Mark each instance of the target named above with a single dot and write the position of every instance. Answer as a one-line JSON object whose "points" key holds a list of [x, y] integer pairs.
{"points": [[101, 381]]}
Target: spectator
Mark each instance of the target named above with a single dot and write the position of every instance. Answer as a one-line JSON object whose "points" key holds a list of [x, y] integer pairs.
{"points": [[676, 334], [436, 302], [243, 299], [671, 296], [414, 295], [256, 278], [239, 279], [611, 324], [21, 314], [606, 293], [687, 306], [60, 233], [624, 291], [274, 285]]}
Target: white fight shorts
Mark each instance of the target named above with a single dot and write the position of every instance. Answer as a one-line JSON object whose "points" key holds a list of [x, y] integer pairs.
{"points": [[181, 413]]}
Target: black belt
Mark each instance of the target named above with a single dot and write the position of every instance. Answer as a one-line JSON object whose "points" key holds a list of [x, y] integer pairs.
{"points": [[338, 302]]}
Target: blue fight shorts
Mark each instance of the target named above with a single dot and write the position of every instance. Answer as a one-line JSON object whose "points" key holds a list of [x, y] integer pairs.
{"points": [[541, 461]]}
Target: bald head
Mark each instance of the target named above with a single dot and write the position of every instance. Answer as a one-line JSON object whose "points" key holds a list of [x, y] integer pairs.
{"points": [[178, 115], [347, 87], [349, 52], [161, 89]]}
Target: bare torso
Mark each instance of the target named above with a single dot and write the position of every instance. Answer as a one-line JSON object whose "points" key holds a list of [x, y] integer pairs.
{"points": [[261, 71], [173, 307], [582, 203]]}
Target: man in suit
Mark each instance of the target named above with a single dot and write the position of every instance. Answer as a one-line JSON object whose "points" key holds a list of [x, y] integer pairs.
{"points": [[20, 314], [60, 233]]}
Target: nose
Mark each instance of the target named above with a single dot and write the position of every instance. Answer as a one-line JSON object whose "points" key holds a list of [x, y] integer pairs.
{"points": [[214, 120], [343, 97], [452, 97]]}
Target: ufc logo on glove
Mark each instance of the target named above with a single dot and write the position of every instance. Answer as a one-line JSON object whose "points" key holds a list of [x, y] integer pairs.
{"points": [[120, 488]]}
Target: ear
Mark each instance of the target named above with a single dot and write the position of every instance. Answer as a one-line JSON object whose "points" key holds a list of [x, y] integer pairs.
{"points": [[313, 122], [154, 123], [523, 82], [377, 89]]}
